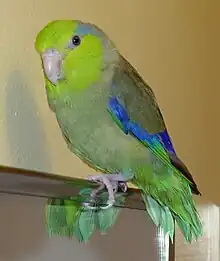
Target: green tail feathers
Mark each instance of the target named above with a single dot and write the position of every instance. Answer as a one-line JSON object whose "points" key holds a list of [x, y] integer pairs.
{"points": [[70, 218], [188, 222]]}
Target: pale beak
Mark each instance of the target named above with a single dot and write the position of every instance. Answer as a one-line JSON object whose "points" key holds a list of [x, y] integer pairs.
{"points": [[52, 62]]}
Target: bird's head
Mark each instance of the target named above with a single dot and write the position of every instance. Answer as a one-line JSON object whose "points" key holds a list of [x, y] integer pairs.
{"points": [[74, 52]]}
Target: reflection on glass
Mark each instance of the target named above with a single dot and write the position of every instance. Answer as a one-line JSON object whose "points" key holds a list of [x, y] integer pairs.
{"points": [[23, 236], [162, 245], [207, 246]]}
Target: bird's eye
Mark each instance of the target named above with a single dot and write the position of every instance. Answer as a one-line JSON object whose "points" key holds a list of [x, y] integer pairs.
{"points": [[76, 40]]}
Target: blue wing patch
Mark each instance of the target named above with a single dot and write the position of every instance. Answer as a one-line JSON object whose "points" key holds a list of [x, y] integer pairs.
{"points": [[116, 109], [120, 113]]}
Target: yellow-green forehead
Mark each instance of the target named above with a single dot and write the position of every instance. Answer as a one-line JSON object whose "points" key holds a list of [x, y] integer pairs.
{"points": [[55, 34]]}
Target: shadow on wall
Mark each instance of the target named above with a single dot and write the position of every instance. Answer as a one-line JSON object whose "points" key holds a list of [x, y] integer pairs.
{"points": [[26, 140], [23, 236]]}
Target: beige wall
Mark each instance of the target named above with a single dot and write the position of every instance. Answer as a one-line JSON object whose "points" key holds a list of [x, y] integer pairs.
{"points": [[174, 45]]}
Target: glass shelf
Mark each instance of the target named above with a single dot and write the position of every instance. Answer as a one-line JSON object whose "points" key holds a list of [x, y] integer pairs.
{"points": [[46, 185]]}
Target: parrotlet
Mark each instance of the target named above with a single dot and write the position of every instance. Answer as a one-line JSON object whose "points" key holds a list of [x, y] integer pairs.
{"points": [[110, 119]]}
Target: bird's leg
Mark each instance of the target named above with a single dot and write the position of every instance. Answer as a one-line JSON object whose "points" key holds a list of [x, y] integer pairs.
{"points": [[96, 191], [94, 194], [112, 182]]}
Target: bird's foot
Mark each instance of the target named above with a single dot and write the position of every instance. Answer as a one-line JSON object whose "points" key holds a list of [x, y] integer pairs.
{"points": [[112, 182]]}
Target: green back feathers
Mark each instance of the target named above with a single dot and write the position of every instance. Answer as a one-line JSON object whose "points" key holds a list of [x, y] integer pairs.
{"points": [[168, 197]]}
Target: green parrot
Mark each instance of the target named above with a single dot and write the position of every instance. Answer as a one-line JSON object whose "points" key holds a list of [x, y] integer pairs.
{"points": [[110, 119]]}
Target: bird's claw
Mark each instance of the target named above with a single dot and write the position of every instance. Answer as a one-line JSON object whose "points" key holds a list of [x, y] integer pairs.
{"points": [[112, 182], [109, 204], [89, 206]]}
